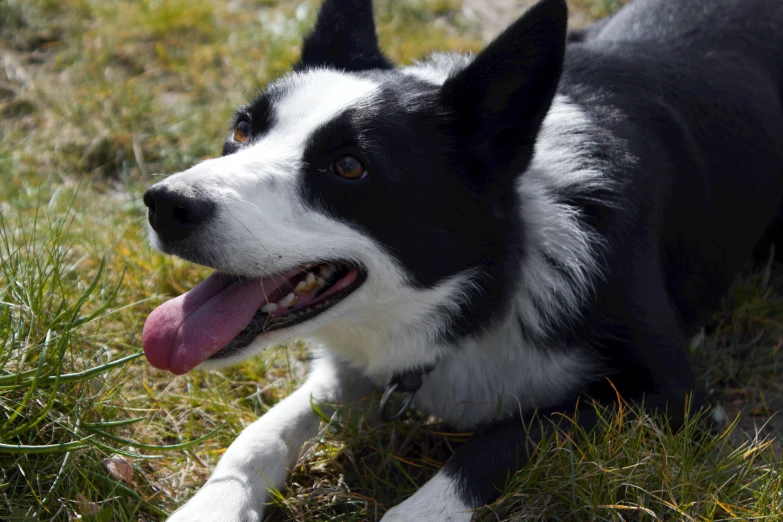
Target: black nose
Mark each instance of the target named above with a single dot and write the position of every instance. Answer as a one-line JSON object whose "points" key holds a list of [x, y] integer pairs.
{"points": [[176, 211]]}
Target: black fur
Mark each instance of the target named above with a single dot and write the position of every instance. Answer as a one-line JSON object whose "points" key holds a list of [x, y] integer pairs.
{"points": [[502, 97], [432, 126], [259, 114], [685, 98], [344, 37], [445, 213], [465, 121], [693, 90]]}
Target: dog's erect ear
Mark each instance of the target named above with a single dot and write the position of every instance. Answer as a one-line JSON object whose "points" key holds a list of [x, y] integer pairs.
{"points": [[344, 38], [502, 97]]}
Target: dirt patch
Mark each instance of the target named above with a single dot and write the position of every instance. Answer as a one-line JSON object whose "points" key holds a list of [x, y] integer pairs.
{"points": [[495, 15]]}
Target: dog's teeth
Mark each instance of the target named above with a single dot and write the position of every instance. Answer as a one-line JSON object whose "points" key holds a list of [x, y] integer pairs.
{"points": [[288, 300], [307, 285], [269, 307], [326, 271]]}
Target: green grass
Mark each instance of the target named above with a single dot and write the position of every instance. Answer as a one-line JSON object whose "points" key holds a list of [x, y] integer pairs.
{"points": [[97, 101]]}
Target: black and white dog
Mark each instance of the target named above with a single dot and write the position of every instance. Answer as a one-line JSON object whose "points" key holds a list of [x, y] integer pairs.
{"points": [[500, 234]]}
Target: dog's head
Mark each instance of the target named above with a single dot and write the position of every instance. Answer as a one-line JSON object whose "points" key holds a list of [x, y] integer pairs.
{"points": [[371, 206]]}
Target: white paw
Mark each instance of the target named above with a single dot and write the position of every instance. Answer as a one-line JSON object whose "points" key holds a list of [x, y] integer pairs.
{"points": [[436, 501], [220, 500], [404, 513]]}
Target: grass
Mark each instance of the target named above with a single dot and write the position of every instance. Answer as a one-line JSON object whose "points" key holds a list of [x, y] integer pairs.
{"points": [[96, 100]]}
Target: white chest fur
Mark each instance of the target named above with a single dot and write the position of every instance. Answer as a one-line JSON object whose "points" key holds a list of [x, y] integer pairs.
{"points": [[497, 377]]}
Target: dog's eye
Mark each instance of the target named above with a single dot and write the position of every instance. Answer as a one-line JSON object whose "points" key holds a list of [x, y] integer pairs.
{"points": [[242, 132], [349, 167]]}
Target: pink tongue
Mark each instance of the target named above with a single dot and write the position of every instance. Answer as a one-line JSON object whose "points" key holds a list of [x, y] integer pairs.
{"points": [[182, 333]]}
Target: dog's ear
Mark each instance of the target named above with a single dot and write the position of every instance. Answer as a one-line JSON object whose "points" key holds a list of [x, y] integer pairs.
{"points": [[344, 38], [502, 97]]}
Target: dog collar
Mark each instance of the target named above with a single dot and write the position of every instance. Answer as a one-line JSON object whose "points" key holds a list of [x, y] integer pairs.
{"points": [[406, 384]]}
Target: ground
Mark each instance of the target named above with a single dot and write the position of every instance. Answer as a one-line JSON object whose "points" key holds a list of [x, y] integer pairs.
{"points": [[98, 100]]}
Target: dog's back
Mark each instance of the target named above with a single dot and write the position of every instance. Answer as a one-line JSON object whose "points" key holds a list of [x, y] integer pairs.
{"points": [[749, 32], [753, 26], [697, 94], [750, 29]]}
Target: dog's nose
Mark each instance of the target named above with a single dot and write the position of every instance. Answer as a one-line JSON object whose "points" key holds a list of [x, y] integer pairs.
{"points": [[175, 212]]}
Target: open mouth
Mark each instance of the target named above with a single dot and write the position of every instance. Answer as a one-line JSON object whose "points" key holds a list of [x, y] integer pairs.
{"points": [[296, 300], [224, 314]]}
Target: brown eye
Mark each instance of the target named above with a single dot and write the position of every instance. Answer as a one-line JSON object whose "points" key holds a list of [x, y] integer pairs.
{"points": [[242, 132], [349, 167]]}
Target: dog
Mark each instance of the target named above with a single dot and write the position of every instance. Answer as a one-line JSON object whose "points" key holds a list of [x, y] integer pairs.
{"points": [[489, 237]]}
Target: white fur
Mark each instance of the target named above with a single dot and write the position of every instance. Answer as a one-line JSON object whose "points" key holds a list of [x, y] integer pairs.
{"points": [[260, 459], [263, 227], [497, 376], [437, 501], [500, 373], [559, 169], [438, 67]]}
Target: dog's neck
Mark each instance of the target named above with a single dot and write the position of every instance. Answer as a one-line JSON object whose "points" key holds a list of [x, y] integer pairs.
{"points": [[560, 262]]}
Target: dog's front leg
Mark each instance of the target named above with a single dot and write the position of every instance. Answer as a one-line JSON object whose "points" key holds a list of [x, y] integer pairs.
{"points": [[477, 472], [262, 455]]}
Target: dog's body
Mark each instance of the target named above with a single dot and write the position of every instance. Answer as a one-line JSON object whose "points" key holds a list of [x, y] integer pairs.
{"points": [[524, 229]]}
